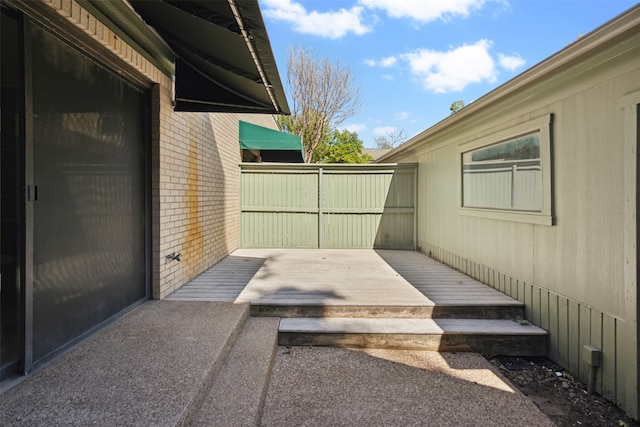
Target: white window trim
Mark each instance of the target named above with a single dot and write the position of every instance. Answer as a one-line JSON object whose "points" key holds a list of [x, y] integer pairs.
{"points": [[542, 125]]}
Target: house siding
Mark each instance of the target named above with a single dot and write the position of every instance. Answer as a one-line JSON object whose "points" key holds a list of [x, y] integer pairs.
{"points": [[571, 324], [195, 156], [578, 276]]}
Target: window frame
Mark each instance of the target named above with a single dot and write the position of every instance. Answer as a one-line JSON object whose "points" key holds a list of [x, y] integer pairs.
{"points": [[540, 125]]}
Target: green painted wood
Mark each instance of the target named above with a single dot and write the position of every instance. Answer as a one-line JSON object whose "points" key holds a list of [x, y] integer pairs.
{"points": [[501, 283], [528, 300], [575, 351], [521, 291], [545, 320], [554, 331], [330, 206], [536, 305], [621, 378], [608, 368], [596, 341], [570, 324], [585, 339], [563, 331], [278, 230]]}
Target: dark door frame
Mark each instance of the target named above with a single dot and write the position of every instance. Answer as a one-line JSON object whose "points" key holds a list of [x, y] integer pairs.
{"points": [[32, 16]]}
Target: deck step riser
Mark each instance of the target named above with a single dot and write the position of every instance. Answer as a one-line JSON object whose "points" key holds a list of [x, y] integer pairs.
{"points": [[488, 336], [515, 312], [508, 345]]}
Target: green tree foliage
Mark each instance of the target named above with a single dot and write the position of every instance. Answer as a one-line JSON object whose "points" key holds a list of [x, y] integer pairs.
{"points": [[456, 106], [341, 147], [525, 147]]}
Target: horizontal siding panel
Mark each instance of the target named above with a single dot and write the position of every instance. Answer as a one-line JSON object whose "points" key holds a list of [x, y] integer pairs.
{"points": [[402, 190], [278, 209], [395, 230], [353, 191], [349, 231], [279, 190], [278, 230]]}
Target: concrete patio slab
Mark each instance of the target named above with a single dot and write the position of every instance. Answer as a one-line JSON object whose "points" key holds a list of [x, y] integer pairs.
{"points": [[329, 277], [148, 368]]}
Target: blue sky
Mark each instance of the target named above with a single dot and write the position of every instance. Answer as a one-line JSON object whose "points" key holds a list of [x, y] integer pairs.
{"points": [[413, 58]]}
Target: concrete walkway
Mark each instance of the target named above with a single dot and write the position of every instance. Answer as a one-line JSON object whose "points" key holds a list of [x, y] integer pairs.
{"points": [[319, 386], [148, 368], [164, 363]]}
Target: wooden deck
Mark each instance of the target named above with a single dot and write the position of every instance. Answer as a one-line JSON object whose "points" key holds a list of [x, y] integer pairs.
{"points": [[338, 277], [369, 298]]}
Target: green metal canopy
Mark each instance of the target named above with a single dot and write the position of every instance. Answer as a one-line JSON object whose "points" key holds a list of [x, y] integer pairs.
{"points": [[254, 137]]}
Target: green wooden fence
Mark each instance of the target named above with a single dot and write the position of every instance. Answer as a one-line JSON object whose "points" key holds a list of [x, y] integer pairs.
{"points": [[327, 206]]}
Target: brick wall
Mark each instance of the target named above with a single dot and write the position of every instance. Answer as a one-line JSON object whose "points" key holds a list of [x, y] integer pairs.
{"points": [[195, 173], [198, 192]]}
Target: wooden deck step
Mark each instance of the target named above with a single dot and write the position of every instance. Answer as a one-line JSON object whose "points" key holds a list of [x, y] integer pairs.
{"points": [[487, 336], [502, 310]]}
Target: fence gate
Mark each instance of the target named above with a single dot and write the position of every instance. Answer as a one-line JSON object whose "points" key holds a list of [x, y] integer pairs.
{"points": [[327, 206]]}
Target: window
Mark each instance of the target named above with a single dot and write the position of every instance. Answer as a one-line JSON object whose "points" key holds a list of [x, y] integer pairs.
{"points": [[506, 175]]}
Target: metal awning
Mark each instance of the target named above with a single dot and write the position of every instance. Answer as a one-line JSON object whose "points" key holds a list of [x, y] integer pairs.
{"points": [[254, 137], [224, 61]]}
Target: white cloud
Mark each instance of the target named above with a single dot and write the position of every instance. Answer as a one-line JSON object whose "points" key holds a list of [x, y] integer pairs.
{"points": [[402, 115], [425, 10], [386, 77], [512, 62], [333, 24], [384, 130], [355, 127], [452, 71], [387, 62]]}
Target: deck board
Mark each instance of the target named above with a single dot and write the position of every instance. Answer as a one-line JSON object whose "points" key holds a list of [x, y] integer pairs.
{"points": [[341, 277]]}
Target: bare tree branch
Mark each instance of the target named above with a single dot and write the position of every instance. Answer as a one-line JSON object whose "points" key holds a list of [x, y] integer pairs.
{"points": [[323, 97], [391, 139]]}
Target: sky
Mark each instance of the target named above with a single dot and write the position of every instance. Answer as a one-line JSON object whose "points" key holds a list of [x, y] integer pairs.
{"points": [[413, 58]]}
